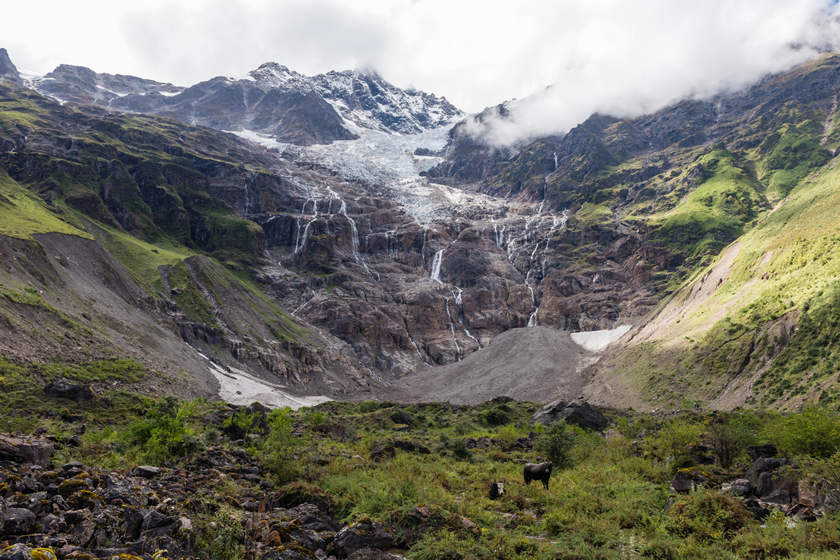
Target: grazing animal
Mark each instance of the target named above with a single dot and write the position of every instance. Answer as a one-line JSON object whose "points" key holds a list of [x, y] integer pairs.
{"points": [[537, 471], [497, 489]]}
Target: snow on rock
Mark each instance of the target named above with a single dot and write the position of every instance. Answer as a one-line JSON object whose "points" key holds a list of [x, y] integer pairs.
{"points": [[382, 158], [597, 341], [241, 388]]}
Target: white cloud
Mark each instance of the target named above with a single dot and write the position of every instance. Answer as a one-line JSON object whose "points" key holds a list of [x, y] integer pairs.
{"points": [[602, 55]]}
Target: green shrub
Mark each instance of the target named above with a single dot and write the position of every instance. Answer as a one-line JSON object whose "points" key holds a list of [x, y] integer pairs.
{"points": [[707, 516], [317, 419], [673, 440], [731, 435], [221, 536], [815, 432], [239, 424], [556, 444], [460, 450], [496, 416], [164, 432], [278, 450]]}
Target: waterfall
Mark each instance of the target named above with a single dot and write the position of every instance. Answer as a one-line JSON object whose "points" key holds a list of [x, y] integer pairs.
{"points": [[459, 306], [354, 231], [247, 201], [532, 318], [555, 221], [555, 161], [436, 264], [423, 247], [414, 343], [300, 241], [452, 330]]}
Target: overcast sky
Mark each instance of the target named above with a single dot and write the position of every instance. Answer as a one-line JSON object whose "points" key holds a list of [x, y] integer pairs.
{"points": [[610, 55]]}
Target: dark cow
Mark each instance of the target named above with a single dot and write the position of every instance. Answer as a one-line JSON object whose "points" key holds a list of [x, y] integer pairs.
{"points": [[537, 471]]}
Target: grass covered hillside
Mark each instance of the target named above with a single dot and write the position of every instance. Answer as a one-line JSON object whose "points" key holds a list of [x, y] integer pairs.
{"points": [[759, 326]]}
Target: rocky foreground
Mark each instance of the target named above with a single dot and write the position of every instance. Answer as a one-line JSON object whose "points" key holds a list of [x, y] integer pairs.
{"points": [[384, 481], [74, 511]]}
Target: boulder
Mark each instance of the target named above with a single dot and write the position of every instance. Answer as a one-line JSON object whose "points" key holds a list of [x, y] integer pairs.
{"points": [[146, 471], [686, 480], [762, 451], [367, 533], [18, 521], [63, 389], [777, 489], [741, 487], [25, 450], [579, 413], [764, 464], [411, 446], [497, 489]]}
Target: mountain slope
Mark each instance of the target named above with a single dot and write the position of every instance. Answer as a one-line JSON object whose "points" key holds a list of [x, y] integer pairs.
{"points": [[759, 326]]}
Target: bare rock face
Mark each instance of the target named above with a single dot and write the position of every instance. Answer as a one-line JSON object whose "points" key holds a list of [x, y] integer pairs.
{"points": [[63, 389], [8, 71], [579, 413], [25, 449]]}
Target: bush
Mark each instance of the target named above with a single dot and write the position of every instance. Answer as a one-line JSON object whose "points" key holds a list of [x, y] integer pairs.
{"points": [[317, 419], [278, 450], [239, 424], [674, 438], [731, 435], [164, 433], [707, 516], [556, 444], [496, 416], [815, 432]]}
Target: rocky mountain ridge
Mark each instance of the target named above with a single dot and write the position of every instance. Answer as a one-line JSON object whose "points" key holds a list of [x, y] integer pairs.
{"points": [[271, 100]]}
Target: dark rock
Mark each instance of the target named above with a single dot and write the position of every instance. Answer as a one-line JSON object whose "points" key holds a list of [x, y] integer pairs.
{"points": [[310, 517], [802, 512], [762, 451], [146, 471], [382, 451], [411, 446], [686, 480], [363, 534], [402, 417], [777, 489], [579, 413], [298, 493], [72, 465], [63, 389], [741, 487], [763, 465], [132, 523], [759, 511], [25, 450], [18, 521]]}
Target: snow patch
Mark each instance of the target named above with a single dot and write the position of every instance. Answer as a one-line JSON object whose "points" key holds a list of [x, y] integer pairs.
{"points": [[257, 138], [597, 341], [241, 388]]}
